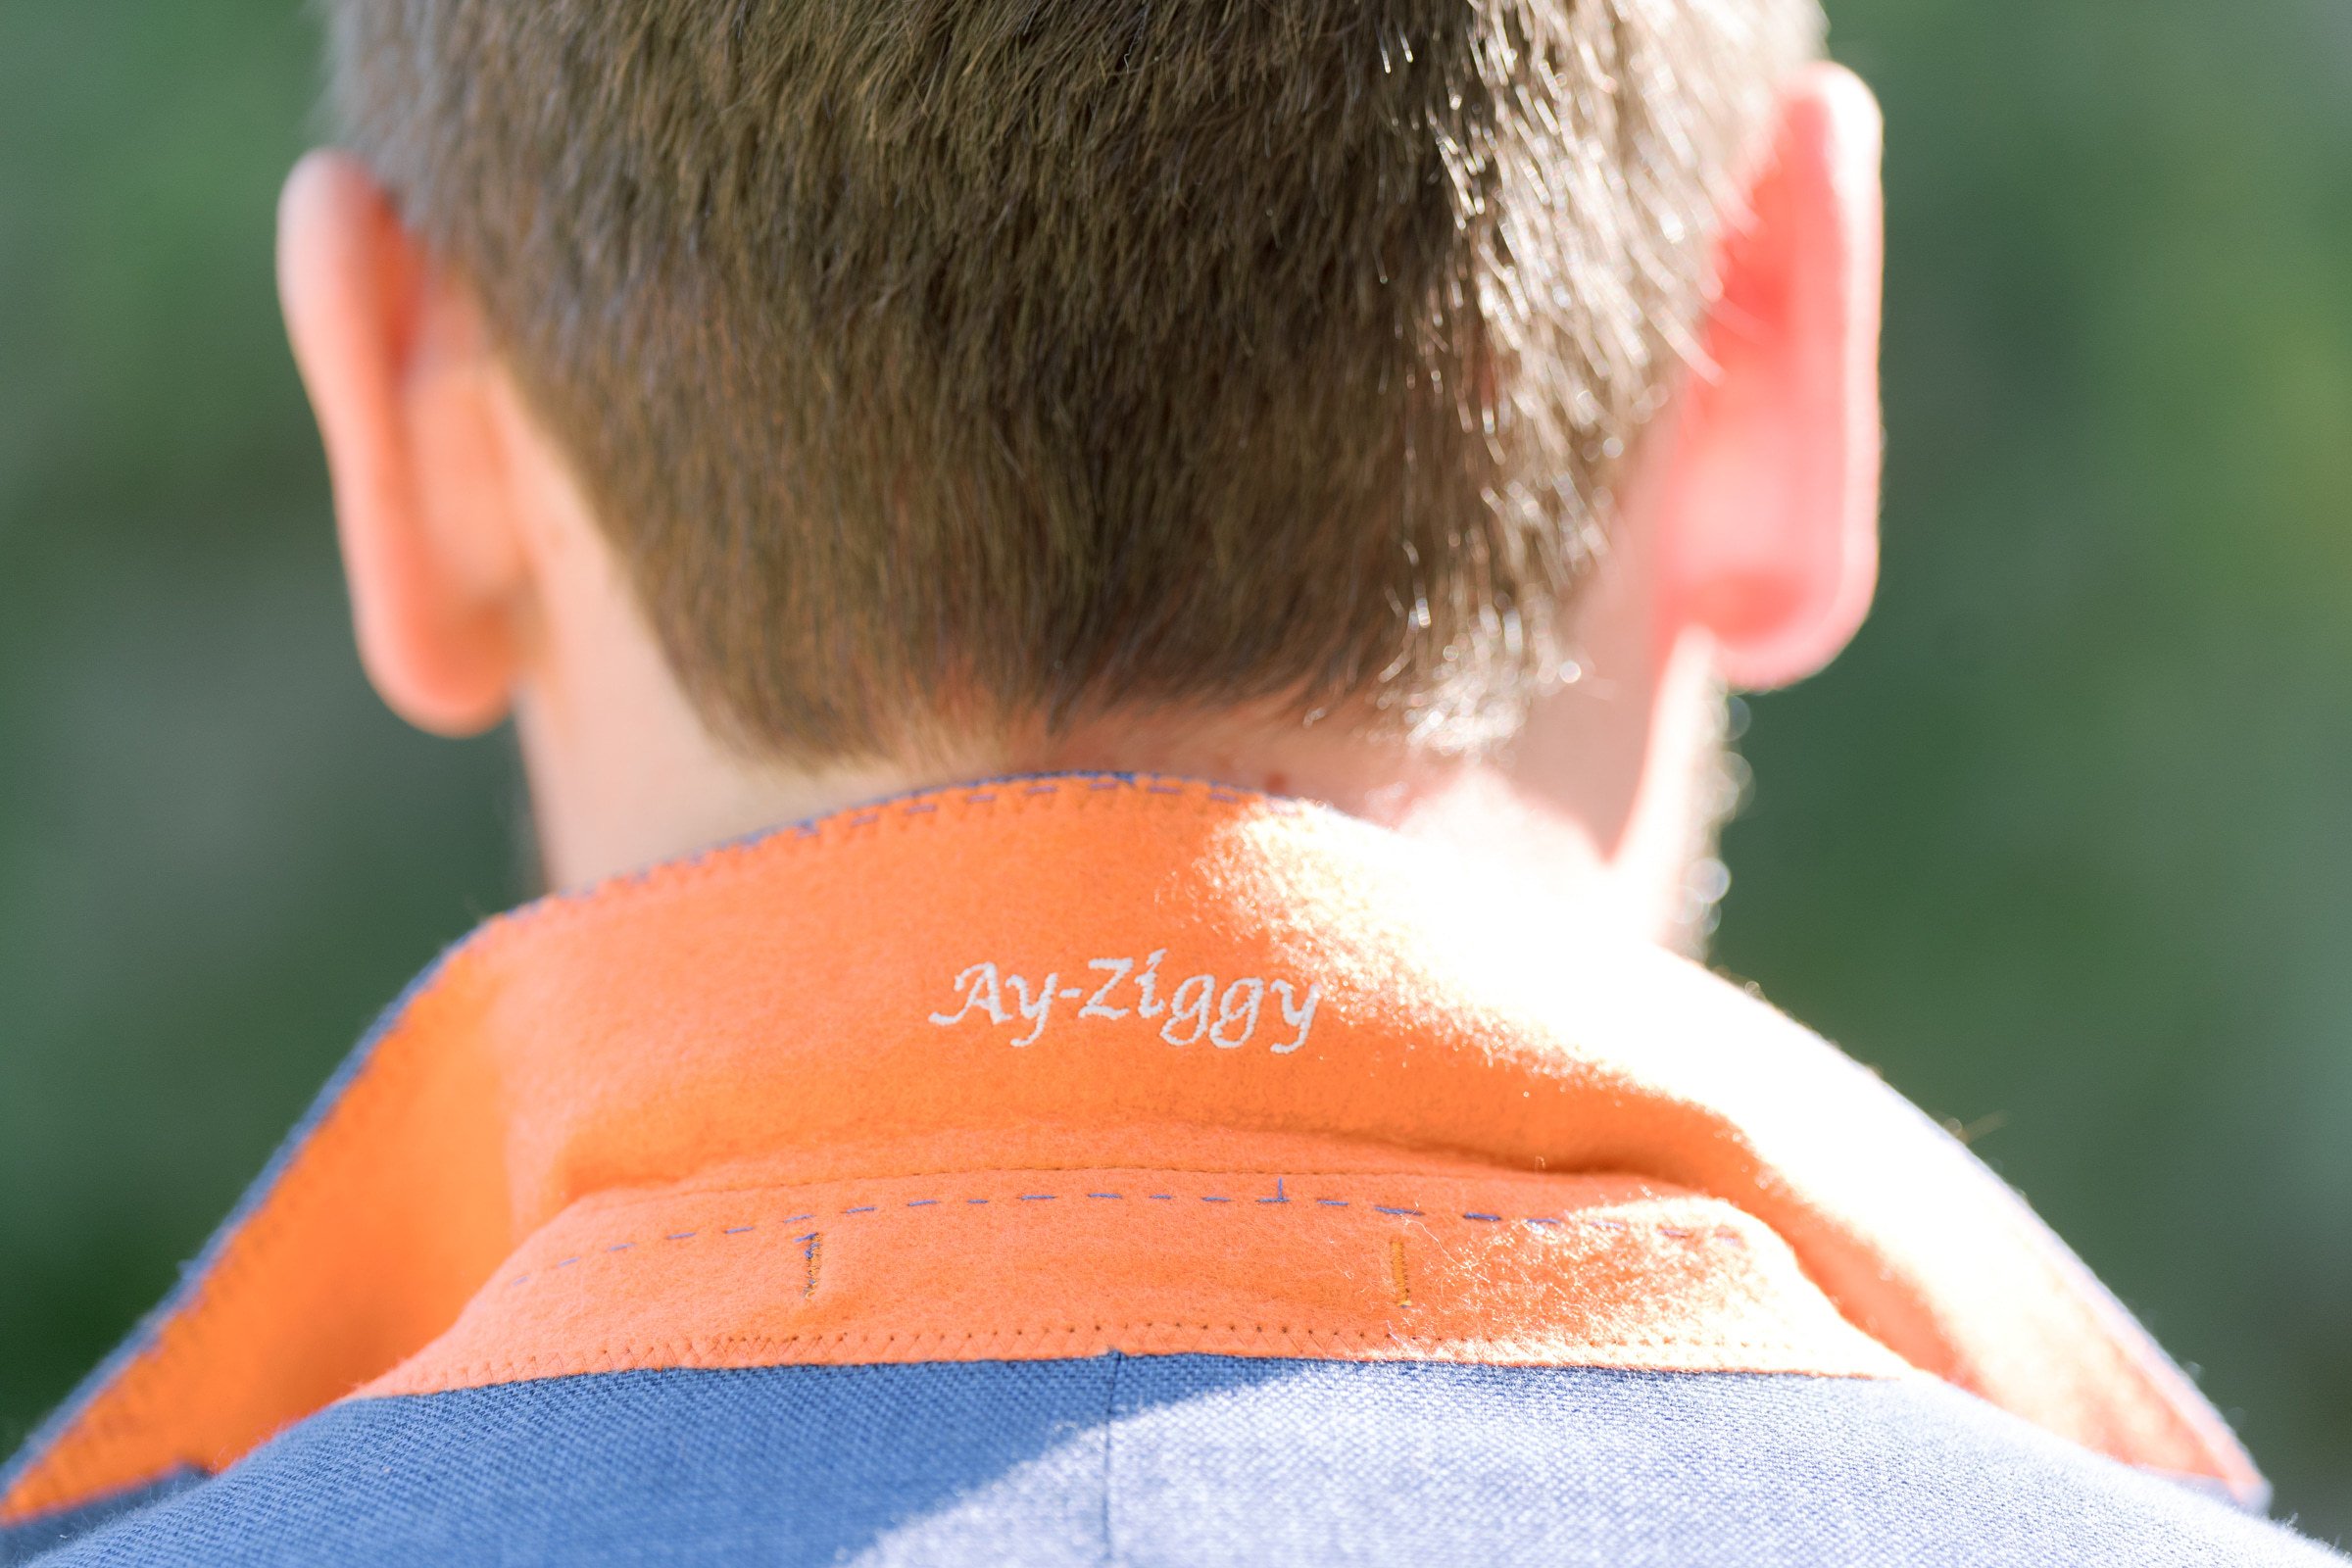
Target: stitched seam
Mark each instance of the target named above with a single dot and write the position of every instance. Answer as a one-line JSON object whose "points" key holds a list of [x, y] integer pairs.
{"points": [[1641, 1187], [650, 1355], [1479, 1219]]}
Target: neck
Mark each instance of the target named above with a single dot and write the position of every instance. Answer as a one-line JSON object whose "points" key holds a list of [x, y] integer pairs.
{"points": [[1606, 799], [1606, 796]]}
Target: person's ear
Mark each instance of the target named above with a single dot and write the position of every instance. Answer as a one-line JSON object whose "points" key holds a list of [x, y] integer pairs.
{"points": [[397, 362], [1769, 519]]}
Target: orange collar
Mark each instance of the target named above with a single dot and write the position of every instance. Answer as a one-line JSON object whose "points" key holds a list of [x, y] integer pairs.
{"points": [[1044, 1068]]}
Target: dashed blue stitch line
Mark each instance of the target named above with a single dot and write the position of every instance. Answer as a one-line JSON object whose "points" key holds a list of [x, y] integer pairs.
{"points": [[919, 808], [1104, 784], [1162, 789], [980, 798], [1041, 789], [867, 821], [1280, 1193], [797, 1218]]}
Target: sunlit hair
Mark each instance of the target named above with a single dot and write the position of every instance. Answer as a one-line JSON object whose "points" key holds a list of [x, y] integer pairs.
{"points": [[949, 367]]}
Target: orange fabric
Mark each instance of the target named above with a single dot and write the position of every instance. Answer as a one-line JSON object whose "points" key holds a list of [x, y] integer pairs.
{"points": [[1014, 1266], [1073, 975]]}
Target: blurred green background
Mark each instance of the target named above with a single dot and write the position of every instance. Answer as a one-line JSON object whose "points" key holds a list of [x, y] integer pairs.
{"points": [[2063, 845]]}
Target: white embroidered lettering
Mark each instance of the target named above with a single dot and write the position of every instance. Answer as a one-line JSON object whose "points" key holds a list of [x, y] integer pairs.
{"points": [[1301, 1018], [1148, 984], [979, 987], [1202, 989], [1037, 1013], [1223, 1034], [1118, 968], [1228, 1019]]}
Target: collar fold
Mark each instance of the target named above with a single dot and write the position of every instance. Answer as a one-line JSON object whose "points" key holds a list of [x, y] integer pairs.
{"points": [[1068, 974]]}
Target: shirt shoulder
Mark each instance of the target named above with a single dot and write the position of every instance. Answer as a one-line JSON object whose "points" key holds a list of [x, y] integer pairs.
{"points": [[1182, 1461]]}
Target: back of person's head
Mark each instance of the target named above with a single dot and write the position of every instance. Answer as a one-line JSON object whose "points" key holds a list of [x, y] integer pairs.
{"points": [[942, 368]]}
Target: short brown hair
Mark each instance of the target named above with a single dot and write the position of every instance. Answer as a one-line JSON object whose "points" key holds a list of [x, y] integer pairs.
{"points": [[942, 363]]}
